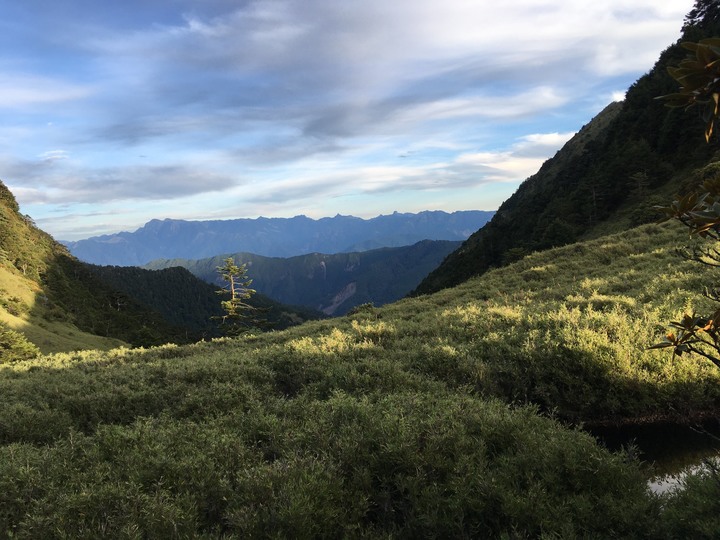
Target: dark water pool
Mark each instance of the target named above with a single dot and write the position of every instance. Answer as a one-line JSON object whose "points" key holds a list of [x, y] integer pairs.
{"points": [[668, 450]]}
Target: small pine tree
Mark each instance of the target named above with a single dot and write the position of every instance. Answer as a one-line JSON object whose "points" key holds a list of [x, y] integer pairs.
{"points": [[14, 347], [237, 316]]}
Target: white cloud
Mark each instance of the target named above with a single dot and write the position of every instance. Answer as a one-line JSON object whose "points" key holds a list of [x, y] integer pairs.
{"points": [[310, 98], [21, 91], [53, 155]]}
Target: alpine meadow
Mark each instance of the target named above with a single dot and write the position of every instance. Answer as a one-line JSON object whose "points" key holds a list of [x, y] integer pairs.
{"points": [[466, 409]]}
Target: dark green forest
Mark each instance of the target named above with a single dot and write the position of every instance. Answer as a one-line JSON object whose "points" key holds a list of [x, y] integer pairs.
{"points": [[332, 283]]}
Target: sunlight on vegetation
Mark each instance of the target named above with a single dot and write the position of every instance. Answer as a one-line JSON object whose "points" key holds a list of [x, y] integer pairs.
{"points": [[366, 423], [461, 414]]}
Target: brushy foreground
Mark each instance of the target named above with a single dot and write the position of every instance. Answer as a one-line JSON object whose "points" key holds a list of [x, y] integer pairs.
{"points": [[431, 417]]}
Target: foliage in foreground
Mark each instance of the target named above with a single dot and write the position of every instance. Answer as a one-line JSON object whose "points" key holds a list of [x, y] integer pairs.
{"points": [[409, 464], [693, 510], [699, 210], [419, 418]]}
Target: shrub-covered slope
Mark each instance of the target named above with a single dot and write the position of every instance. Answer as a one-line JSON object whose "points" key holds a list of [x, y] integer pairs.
{"points": [[59, 303], [53, 300], [407, 420], [608, 177]]}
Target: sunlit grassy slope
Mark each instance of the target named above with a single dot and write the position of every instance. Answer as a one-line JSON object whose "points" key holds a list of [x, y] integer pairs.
{"points": [[22, 309], [408, 421]]}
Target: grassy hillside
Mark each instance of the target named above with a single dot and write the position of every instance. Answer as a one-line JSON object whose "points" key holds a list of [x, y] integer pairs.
{"points": [[43, 294], [61, 304], [333, 284], [22, 309], [632, 156], [416, 419]]}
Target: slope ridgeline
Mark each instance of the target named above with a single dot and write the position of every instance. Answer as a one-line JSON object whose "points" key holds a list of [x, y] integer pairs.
{"points": [[631, 157]]}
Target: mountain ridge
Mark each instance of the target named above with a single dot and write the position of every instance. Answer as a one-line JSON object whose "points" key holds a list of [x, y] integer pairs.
{"points": [[274, 237], [633, 156], [331, 283]]}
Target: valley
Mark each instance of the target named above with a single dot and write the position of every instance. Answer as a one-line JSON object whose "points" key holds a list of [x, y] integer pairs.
{"points": [[333, 284], [404, 382]]}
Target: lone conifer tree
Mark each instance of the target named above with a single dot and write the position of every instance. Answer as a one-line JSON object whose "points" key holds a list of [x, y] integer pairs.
{"points": [[236, 318]]}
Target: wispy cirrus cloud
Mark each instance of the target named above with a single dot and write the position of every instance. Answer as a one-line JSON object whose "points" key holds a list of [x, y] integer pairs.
{"points": [[20, 91]]}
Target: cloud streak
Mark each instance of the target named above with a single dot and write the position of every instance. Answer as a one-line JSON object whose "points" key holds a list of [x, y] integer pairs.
{"points": [[266, 104]]}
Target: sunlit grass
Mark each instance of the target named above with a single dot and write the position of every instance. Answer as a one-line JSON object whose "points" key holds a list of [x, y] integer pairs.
{"points": [[24, 308]]}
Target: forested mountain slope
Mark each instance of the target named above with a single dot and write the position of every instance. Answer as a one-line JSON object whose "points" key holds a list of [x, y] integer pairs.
{"points": [[54, 300], [333, 284], [630, 157], [189, 302]]}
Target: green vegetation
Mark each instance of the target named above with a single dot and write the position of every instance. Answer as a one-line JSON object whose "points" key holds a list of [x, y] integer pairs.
{"points": [[419, 418], [14, 346], [190, 304], [692, 511], [61, 304], [56, 301], [699, 210], [450, 415], [237, 316]]}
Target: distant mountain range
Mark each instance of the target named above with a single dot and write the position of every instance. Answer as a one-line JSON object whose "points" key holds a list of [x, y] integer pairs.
{"points": [[335, 283], [274, 237]]}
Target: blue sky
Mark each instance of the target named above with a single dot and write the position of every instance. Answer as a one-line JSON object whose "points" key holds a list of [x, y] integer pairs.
{"points": [[114, 113]]}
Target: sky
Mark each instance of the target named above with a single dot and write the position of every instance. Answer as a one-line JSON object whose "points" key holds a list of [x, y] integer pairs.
{"points": [[115, 113]]}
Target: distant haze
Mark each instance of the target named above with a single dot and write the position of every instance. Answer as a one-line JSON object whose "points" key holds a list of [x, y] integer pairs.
{"points": [[274, 237]]}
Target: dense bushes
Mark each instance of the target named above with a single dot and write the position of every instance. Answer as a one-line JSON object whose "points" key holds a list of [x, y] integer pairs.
{"points": [[14, 346], [408, 465], [415, 419], [692, 511]]}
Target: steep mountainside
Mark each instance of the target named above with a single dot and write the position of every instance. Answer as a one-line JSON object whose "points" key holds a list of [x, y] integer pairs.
{"points": [[631, 157], [274, 237], [189, 302], [59, 303], [333, 284], [55, 301]]}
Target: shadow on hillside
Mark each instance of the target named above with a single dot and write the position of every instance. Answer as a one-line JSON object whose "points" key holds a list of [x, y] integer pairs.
{"points": [[84, 312]]}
